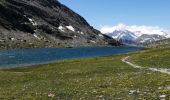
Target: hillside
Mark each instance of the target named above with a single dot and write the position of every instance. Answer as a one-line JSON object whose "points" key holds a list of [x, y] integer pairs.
{"points": [[45, 23], [158, 58], [158, 44]]}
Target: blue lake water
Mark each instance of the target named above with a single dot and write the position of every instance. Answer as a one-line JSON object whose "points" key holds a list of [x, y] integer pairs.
{"points": [[25, 57]]}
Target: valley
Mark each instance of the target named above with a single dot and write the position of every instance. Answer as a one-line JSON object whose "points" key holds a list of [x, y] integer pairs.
{"points": [[50, 52]]}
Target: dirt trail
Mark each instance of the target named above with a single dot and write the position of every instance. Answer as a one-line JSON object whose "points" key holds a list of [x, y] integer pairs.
{"points": [[162, 70]]}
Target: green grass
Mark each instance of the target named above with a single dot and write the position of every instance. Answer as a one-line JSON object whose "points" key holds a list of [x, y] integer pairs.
{"points": [[159, 58], [86, 79]]}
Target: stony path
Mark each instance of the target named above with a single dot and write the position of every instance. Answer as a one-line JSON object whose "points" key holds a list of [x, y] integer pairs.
{"points": [[162, 70]]}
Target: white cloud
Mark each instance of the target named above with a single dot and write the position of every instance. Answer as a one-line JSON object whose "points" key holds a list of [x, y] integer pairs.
{"points": [[139, 30]]}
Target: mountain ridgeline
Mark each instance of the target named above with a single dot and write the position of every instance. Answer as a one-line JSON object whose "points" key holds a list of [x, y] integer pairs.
{"points": [[45, 23], [136, 38]]}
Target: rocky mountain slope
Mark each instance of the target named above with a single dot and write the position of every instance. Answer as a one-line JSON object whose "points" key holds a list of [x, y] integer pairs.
{"points": [[145, 38], [45, 23], [165, 43]]}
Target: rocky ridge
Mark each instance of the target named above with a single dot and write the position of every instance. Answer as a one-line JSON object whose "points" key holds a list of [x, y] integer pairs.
{"points": [[45, 23]]}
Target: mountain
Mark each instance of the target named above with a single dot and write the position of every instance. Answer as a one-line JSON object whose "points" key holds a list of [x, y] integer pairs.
{"points": [[165, 43], [131, 38], [135, 35], [45, 23], [125, 37], [145, 38]]}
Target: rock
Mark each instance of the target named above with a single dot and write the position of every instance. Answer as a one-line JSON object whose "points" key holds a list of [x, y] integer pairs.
{"points": [[45, 18]]}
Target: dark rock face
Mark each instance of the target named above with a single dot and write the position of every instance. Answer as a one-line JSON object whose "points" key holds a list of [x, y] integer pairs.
{"points": [[45, 23]]}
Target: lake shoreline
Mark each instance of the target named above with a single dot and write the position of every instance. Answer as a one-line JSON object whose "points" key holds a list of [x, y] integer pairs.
{"points": [[41, 62]]}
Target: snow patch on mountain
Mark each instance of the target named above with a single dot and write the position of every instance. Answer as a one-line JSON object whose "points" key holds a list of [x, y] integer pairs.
{"points": [[32, 21], [70, 28], [61, 28], [101, 35]]}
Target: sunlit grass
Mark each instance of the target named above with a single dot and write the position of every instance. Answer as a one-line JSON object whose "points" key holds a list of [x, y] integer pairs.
{"points": [[159, 58], [88, 79]]}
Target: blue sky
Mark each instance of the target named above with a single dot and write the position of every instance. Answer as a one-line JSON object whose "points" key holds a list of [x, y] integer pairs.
{"points": [[130, 12]]}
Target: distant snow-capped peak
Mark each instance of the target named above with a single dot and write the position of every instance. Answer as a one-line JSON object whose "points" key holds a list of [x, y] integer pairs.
{"points": [[118, 34], [137, 30], [135, 34]]}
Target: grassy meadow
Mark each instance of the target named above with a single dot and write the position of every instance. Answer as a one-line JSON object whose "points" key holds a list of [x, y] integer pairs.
{"points": [[154, 58], [86, 79]]}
